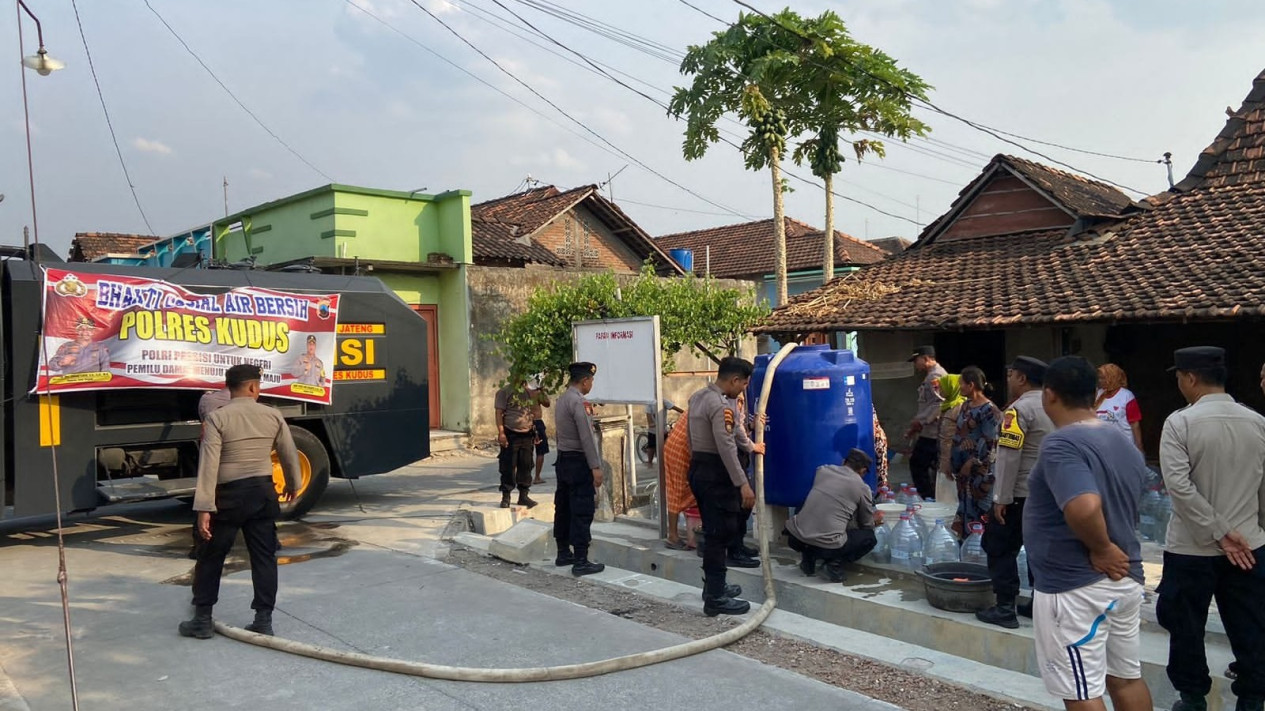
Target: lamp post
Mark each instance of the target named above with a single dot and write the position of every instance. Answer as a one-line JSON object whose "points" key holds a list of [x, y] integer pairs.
{"points": [[43, 65]]}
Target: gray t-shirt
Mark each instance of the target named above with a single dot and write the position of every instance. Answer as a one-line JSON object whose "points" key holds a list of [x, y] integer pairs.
{"points": [[1088, 458]]}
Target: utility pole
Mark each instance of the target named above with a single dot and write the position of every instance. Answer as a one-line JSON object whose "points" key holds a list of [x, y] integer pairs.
{"points": [[1168, 161]]}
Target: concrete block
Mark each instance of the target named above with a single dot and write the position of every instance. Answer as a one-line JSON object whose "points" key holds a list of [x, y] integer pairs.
{"points": [[491, 520], [542, 511], [473, 541], [526, 542]]}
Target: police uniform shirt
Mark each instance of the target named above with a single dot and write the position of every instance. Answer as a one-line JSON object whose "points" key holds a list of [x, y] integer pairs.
{"points": [[573, 429], [212, 401], [519, 407], [237, 443], [712, 421], [1024, 426], [929, 400]]}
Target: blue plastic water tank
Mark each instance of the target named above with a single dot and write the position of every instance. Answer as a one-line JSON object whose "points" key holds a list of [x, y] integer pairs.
{"points": [[684, 257], [820, 407]]}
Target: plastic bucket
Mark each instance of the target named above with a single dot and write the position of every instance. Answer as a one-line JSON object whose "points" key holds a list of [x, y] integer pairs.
{"points": [[932, 510]]}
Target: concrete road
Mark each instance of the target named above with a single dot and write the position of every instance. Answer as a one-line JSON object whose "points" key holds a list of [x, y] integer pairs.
{"points": [[366, 581]]}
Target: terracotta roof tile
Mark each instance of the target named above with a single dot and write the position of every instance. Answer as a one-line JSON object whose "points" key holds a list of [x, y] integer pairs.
{"points": [[88, 246], [746, 249], [1197, 254], [502, 228]]}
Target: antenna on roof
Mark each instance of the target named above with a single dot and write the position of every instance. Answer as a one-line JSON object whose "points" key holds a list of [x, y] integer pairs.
{"points": [[226, 196], [610, 189], [1168, 161]]}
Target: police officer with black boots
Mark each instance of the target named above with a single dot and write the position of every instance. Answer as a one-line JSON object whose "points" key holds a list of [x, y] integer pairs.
{"points": [[579, 473], [235, 492], [718, 481]]}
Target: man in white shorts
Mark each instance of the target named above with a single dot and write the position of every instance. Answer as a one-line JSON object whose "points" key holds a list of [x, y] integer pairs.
{"points": [[1083, 496]]}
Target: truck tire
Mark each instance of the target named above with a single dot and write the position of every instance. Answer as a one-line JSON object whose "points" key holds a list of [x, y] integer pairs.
{"points": [[313, 470]]}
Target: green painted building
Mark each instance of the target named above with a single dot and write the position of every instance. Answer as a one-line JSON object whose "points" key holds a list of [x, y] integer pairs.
{"points": [[417, 244]]}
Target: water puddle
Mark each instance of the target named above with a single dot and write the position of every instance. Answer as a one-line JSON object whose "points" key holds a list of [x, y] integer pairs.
{"points": [[300, 543]]}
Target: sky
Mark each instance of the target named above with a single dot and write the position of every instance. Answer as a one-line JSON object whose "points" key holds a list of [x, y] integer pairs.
{"points": [[394, 103]]}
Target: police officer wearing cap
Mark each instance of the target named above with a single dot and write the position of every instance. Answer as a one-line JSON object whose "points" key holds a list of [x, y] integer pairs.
{"points": [[310, 370], [1212, 454], [718, 480], [579, 472], [235, 492], [1024, 426]]}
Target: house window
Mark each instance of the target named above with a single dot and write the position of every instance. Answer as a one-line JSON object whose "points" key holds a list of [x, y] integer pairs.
{"points": [[578, 243]]}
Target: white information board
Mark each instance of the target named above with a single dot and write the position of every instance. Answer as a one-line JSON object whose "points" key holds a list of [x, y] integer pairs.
{"points": [[626, 352]]}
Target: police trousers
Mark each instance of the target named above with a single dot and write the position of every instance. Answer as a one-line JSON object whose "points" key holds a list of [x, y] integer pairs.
{"points": [[1189, 584], [249, 506], [1002, 543], [720, 504], [517, 460], [574, 503], [859, 542], [923, 462]]}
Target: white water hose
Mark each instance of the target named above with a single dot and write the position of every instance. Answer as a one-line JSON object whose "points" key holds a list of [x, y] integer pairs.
{"points": [[566, 671]]}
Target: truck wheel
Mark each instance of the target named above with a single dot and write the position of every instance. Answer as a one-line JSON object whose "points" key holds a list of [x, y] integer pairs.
{"points": [[313, 473]]}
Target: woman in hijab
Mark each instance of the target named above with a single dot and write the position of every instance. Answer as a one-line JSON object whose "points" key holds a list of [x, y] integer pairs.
{"points": [[949, 387], [1116, 404], [974, 449]]}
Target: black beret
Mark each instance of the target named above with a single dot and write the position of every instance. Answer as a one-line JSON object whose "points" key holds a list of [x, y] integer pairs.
{"points": [[1198, 357], [581, 370], [311, 338], [1032, 369], [922, 351]]}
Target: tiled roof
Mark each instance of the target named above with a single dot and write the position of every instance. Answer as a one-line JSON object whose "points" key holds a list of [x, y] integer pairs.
{"points": [[1237, 156], [891, 245], [1078, 194], [746, 249], [494, 239], [502, 228], [1197, 255], [87, 246]]}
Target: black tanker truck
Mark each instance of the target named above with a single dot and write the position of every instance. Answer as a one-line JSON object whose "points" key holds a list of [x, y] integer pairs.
{"points": [[132, 445]]}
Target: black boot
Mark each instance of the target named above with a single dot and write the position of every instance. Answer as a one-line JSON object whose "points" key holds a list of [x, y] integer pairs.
{"points": [[717, 602], [505, 499], [741, 561], [807, 564], [834, 572], [731, 589], [565, 557], [524, 499], [262, 623], [583, 566], [1024, 609], [1001, 614], [201, 626], [1191, 702], [1249, 705]]}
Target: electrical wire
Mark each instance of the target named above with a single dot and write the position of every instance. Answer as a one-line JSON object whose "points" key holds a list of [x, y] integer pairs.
{"points": [[574, 120], [233, 96], [109, 124], [700, 10], [673, 209]]}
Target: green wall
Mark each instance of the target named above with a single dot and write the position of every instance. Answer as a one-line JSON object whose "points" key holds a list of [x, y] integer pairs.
{"points": [[345, 221]]}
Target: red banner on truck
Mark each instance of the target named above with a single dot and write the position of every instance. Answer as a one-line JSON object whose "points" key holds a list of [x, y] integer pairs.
{"points": [[109, 332]]}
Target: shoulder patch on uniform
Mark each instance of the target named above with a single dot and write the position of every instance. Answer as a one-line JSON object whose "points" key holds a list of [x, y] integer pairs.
{"points": [[1011, 432], [729, 420]]}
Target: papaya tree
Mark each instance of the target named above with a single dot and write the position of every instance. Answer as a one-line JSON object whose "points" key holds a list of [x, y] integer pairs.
{"points": [[848, 87]]}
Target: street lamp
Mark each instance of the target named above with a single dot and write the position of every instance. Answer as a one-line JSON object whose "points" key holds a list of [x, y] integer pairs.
{"points": [[43, 65], [40, 61]]}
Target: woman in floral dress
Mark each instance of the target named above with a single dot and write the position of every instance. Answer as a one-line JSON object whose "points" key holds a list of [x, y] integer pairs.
{"points": [[974, 449]]}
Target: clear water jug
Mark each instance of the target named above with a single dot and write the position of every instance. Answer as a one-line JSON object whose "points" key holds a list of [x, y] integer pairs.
{"points": [[906, 544], [973, 549], [940, 546]]}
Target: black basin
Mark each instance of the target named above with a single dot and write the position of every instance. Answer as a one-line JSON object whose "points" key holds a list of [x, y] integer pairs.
{"points": [[946, 589]]}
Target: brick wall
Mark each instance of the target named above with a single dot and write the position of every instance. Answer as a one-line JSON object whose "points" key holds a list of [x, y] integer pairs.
{"points": [[587, 243]]}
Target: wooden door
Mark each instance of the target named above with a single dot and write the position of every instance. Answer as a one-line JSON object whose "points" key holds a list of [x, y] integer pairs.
{"points": [[430, 313]]}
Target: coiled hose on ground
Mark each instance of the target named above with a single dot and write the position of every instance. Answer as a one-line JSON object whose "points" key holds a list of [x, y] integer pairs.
{"points": [[565, 671]]}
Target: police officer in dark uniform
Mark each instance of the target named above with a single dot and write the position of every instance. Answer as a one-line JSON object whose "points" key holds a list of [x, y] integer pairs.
{"points": [[718, 480], [1024, 427], [579, 472]]}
